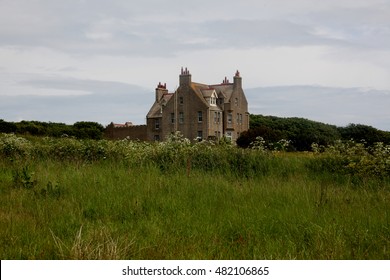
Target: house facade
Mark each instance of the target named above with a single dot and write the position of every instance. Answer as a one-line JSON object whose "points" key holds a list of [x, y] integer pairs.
{"points": [[199, 111]]}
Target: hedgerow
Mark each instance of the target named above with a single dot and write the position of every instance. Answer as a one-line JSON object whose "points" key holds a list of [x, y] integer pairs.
{"points": [[178, 153]]}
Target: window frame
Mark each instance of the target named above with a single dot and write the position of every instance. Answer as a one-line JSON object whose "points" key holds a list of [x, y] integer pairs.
{"points": [[181, 117], [200, 116]]}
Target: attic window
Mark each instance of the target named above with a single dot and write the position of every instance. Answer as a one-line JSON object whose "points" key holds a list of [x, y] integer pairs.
{"points": [[213, 101]]}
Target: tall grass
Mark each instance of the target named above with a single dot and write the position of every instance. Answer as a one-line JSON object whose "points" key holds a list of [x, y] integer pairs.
{"points": [[176, 200]]}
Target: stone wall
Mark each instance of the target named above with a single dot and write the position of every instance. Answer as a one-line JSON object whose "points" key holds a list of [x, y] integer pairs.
{"points": [[134, 132]]}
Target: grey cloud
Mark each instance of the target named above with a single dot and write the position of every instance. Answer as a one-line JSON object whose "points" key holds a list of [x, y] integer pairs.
{"points": [[128, 28], [361, 27], [79, 30], [263, 33], [91, 86], [339, 106], [107, 101]]}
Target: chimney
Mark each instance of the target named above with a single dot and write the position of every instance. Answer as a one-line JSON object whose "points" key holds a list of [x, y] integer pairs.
{"points": [[237, 81], [185, 77], [160, 91]]}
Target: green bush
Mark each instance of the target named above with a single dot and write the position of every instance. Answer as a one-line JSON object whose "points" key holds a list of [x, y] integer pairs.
{"points": [[353, 158]]}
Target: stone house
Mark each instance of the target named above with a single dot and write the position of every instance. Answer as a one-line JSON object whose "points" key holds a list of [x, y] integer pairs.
{"points": [[199, 111]]}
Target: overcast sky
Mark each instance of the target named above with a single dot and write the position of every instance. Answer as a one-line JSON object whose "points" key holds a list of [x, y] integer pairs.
{"points": [[101, 60]]}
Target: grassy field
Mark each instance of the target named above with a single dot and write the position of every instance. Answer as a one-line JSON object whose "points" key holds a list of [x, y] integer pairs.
{"points": [[71, 199]]}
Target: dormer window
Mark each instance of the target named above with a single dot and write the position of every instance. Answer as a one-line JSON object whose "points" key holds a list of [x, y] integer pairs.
{"points": [[213, 99]]}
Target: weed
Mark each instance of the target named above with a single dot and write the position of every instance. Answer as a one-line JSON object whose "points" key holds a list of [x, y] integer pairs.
{"points": [[51, 190], [23, 178]]}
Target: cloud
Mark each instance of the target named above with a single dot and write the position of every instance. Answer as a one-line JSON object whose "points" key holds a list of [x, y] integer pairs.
{"points": [[123, 28], [103, 101], [338, 106]]}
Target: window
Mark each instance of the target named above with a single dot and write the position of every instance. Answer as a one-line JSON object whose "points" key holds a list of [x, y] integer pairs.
{"points": [[219, 117], [215, 118], [181, 117], [157, 124], [236, 101], [229, 135], [172, 117], [200, 116], [181, 101], [213, 101], [240, 118], [230, 118], [200, 135], [156, 137]]}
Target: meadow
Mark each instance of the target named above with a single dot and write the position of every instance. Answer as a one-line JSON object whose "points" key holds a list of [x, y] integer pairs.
{"points": [[63, 198]]}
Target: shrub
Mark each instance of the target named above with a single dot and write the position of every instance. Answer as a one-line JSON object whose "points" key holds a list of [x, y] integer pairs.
{"points": [[353, 158], [12, 146]]}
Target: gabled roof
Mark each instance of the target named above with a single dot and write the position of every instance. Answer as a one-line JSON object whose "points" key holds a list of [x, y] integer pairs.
{"points": [[155, 111], [203, 91], [225, 89], [197, 88], [207, 93]]}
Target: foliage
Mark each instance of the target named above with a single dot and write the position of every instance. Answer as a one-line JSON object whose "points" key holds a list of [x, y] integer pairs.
{"points": [[12, 146], [65, 198], [88, 130], [268, 134], [368, 134], [353, 158], [7, 127], [81, 130], [23, 178], [302, 132]]}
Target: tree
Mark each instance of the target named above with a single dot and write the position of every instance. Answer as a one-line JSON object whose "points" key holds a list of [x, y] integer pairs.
{"points": [[368, 134], [7, 127], [90, 130], [268, 134], [301, 132]]}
